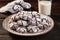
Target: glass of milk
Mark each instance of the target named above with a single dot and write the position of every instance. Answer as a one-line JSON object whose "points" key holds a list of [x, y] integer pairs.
{"points": [[44, 6]]}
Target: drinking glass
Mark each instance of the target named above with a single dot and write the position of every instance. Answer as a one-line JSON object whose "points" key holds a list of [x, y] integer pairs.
{"points": [[44, 6]]}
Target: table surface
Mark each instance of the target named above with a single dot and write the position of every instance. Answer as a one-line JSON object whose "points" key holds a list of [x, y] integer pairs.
{"points": [[54, 34]]}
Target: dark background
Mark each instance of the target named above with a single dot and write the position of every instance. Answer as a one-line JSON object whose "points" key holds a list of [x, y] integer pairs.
{"points": [[54, 34], [55, 6]]}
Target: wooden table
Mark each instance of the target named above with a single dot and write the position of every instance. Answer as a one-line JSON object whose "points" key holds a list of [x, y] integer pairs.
{"points": [[54, 34]]}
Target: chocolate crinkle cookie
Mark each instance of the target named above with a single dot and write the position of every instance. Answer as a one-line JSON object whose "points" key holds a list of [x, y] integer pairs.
{"points": [[28, 22], [15, 6]]}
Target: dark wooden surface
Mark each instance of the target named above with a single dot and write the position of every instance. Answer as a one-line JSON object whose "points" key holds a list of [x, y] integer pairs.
{"points": [[54, 34]]}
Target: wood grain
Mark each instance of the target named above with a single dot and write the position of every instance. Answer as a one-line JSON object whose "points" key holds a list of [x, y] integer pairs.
{"points": [[52, 35], [55, 7]]}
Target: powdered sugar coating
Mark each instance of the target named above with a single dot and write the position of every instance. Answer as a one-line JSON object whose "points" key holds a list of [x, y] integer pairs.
{"points": [[30, 22]]}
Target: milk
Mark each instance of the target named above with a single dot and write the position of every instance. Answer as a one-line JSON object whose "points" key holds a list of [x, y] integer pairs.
{"points": [[44, 7]]}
